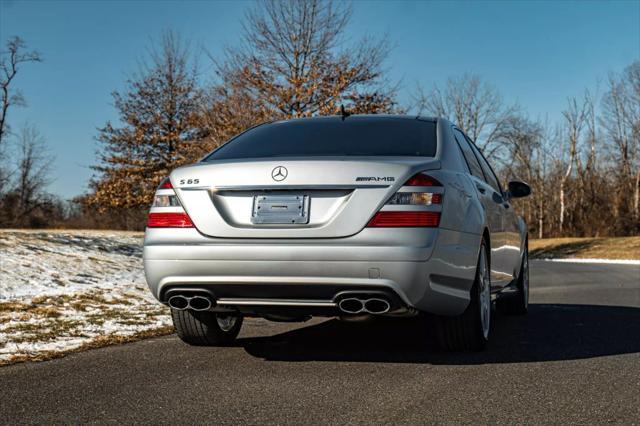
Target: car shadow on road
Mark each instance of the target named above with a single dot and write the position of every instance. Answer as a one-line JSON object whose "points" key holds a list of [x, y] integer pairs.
{"points": [[548, 333]]}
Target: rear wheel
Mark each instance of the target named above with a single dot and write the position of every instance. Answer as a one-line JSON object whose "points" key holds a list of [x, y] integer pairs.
{"points": [[203, 328], [518, 302], [470, 330]]}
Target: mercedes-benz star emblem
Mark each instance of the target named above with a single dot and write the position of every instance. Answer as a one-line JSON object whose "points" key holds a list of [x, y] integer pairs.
{"points": [[279, 173]]}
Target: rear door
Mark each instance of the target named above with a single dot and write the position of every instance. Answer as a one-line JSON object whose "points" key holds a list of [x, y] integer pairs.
{"points": [[510, 248], [491, 200]]}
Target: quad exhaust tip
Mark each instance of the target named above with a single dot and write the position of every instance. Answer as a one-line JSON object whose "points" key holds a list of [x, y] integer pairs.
{"points": [[199, 303], [377, 306], [196, 303], [374, 305], [178, 302], [351, 305]]}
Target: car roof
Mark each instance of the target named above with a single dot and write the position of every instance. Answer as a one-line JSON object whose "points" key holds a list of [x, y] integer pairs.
{"points": [[357, 117]]}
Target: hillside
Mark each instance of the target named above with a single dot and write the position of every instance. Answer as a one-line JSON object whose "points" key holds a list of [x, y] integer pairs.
{"points": [[65, 290]]}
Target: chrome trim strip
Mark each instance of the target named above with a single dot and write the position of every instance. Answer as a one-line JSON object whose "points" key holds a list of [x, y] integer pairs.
{"points": [[275, 302], [277, 187]]}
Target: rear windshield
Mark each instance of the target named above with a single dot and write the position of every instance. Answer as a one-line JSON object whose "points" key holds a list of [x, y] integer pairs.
{"points": [[333, 136]]}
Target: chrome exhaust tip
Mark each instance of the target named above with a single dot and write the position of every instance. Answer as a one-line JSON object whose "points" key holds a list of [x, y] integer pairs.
{"points": [[351, 305], [200, 303], [376, 306], [178, 302]]}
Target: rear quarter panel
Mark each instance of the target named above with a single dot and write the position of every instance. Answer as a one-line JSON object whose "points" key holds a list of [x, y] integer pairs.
{"points": [[461, 209]]}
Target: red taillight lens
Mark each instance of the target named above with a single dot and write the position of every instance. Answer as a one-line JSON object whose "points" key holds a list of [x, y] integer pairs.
{"points": [[422, 180], [165, 184], [405, 219], [169, 220], [409, 197]]}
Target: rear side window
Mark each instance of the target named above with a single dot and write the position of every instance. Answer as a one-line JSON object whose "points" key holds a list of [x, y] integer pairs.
{"points": [[332, 136], [486, 168], [472, 161]]}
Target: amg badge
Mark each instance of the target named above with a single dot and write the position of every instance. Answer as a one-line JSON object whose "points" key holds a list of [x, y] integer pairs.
{"points": [[375, 179]]}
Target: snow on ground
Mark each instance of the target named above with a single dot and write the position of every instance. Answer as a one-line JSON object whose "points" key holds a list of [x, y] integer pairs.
{"points": [[54, 262], [608, 261], [63, 290]]}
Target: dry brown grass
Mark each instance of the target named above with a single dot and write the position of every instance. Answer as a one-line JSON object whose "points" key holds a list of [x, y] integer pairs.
{"points": [[98, 342], [618, 248], [33, 324], [90, 232]]}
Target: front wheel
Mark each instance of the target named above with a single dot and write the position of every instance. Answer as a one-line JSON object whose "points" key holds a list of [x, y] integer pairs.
{"points": [[203, 328], [470, 330]]}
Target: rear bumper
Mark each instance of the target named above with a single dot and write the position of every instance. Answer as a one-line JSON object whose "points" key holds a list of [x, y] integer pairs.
{"points": [[432, 272]]}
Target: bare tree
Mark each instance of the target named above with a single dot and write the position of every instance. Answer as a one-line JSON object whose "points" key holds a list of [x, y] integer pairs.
{"points": [[527, 156], [472, 104], [621, 122], [293, 62], [30, 178], [11, 60], [574, 116]]}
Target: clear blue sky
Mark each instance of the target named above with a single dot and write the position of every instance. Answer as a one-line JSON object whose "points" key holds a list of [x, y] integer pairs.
{"points": [[537, 53]]}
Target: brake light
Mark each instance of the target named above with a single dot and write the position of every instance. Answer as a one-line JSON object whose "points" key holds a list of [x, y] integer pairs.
{"points": [[169, 220], [422, 180], [165, 184], [405, 219], [166, 210], [425, 205]]}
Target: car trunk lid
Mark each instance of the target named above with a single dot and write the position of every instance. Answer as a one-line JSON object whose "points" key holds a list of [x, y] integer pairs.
{"points": [[291, 198]]}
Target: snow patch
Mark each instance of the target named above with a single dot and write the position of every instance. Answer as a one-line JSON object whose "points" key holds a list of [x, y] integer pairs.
{"points": [[49, 263], [60, 290], [608, 261]]}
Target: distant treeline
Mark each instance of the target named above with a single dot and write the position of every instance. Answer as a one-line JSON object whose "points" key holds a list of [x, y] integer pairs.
{"points": [[292, 61]]}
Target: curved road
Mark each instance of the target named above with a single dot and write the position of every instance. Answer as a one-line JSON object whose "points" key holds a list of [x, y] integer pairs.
{"points": [[574, 359]]}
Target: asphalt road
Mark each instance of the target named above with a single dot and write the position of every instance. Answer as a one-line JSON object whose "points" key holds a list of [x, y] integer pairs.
{"points": [[574, 359]]}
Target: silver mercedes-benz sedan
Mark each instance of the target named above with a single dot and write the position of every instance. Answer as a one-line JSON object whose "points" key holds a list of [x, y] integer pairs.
{"points": [[339, 216]]}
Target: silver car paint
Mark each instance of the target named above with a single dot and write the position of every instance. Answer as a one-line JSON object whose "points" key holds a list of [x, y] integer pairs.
{"points": [[431, 269]]}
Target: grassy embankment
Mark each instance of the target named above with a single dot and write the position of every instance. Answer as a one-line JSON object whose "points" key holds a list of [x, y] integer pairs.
{"points": [[625, 248]]}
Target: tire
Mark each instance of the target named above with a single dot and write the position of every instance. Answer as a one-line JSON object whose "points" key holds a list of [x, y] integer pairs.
{"points": [[470, 331], [203, 328], [517, 303]]}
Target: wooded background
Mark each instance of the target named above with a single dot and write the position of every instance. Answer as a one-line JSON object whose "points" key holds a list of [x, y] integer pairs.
{"points": [[584, 167]]}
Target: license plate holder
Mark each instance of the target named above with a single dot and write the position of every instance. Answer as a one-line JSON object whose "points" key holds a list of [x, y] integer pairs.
{"points": [[280, 209]]}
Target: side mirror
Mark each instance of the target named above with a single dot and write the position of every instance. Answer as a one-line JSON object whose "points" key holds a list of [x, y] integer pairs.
{"points": [[518, 189]]}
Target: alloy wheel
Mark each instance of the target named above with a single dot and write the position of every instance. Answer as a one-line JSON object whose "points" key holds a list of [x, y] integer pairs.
{"points": [[226, 322], [485, 294]]}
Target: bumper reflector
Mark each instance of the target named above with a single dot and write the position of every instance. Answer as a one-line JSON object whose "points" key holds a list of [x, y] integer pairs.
{"points": [[169, 220], [405, 219]]}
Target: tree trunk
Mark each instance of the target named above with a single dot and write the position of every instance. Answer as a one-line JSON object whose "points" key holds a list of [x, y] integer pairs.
{"points": [[540, 219], [636, 198], [561, 206]]}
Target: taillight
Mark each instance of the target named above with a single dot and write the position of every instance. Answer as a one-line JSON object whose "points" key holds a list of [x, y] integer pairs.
{"points": [[422, 197], [166, 200], [166, 210], [422, 180], [165, 184], [404, 219], [415, 199], [169, 220]]}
